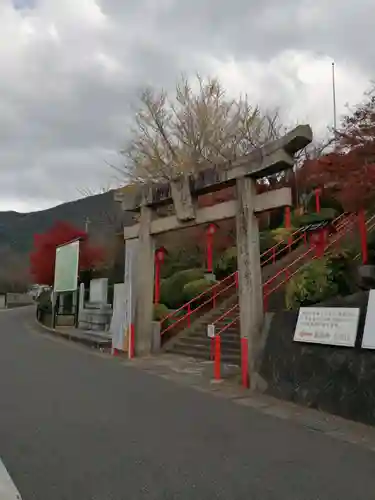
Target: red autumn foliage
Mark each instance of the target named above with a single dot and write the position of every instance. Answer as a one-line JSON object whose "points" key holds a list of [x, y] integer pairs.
{"points": [[341, 175], [42, 257], [349, 172]]}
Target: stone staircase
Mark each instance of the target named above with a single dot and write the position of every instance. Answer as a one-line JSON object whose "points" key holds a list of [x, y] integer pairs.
{"points": [[194, 342]]}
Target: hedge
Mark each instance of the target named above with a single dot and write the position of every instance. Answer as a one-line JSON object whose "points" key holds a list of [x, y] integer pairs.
{"points": [[172, 288], [195, 288]]}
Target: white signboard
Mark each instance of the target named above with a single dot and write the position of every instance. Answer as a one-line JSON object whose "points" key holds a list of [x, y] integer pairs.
{"points": [[211, 331], [327, 325], [121, 332], [368, 340]]}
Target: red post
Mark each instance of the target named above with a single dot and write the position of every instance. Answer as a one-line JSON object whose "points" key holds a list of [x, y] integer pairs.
{"points": [[245, 363], [188, 315], [287, 218], [236, 279], [217, 356], [288, 225], [318, 192], [132, 342], [210, 231], [363, 235], [159, 259]]}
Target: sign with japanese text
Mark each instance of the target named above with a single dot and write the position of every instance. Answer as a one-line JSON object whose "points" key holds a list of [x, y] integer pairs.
{"points": [[327, 325]]}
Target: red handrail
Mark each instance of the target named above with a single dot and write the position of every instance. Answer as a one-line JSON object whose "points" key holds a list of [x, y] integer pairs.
{"points": [[347, 225], [233, 276]]}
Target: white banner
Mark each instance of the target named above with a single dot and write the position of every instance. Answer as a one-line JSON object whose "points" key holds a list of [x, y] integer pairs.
{"points": [[327, 325], [123, 311], [368, 341]]}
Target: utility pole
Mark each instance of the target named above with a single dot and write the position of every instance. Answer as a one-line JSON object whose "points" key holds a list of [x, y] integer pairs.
{"points": [[334, 98], [87, 223]]}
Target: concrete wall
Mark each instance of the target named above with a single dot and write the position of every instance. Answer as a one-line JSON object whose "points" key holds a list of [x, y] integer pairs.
{"points": [[339, 380], [18, 299]]}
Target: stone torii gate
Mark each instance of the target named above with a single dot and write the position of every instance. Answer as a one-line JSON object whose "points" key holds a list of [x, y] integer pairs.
{"points": [[183, 191]]}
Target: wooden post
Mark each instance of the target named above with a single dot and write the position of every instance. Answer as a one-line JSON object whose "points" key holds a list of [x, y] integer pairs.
{"points": [[250, 279]]}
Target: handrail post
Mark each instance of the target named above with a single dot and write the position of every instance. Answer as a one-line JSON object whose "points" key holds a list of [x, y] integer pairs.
{"points": [[245, 363], [217, 358], [188, 315]]}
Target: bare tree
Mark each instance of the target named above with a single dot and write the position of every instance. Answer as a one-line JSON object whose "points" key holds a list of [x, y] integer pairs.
{"points": [[193, 129]]}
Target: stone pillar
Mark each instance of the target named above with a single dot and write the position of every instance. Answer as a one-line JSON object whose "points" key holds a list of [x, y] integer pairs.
{"points": [[81, 299], [61, 303], [144, 285], [249, 271]]}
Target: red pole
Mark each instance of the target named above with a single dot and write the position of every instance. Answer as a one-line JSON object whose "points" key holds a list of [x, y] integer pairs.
{"points": [[159, 258], [157, 281], [287, 218], [363, 235], [132, 342], [317, 199], [209, 238], [245, 363], [217, 374], [210, 231]]}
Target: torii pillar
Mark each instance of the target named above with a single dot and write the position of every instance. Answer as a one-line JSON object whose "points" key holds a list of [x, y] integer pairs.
{"points": [[183, 192]]}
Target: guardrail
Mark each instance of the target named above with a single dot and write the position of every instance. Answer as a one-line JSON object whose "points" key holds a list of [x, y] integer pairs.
{"points": [[182, 317], [345, 227]]}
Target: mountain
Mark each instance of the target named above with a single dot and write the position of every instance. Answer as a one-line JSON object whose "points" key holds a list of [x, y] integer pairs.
{"points": [[102, 212]]}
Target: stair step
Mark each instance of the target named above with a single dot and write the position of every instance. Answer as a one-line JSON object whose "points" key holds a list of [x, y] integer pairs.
{"points": [[227, 345], [227, 334]]}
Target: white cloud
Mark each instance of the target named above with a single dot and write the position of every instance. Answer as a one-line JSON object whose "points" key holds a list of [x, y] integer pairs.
{"points": [[70, 71]]}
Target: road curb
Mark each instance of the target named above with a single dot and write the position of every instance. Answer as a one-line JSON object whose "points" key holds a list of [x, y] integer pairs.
{"points": [[70, 336]]}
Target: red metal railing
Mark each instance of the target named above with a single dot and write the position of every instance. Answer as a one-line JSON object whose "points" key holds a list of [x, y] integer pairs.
{"points": [[183, 315], [288, 272]]}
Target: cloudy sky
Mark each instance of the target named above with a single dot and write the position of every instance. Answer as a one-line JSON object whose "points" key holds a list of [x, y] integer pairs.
{"points": [[71, 69]]}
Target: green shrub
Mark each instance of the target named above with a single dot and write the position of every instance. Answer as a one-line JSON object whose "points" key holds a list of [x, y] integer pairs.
{"points": [[311, 218], [266, 241], [227, 263], [340, 264], [282, 234], [180, 260], [195, 288], [172, 288], [314, 283], [160, 312]]}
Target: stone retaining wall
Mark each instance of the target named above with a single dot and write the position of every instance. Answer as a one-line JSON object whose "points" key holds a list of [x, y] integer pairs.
{"points": [[339, 380]]}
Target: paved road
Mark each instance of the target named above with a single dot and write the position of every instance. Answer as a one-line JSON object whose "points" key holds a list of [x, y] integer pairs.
{"points": [[78, 426]]}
